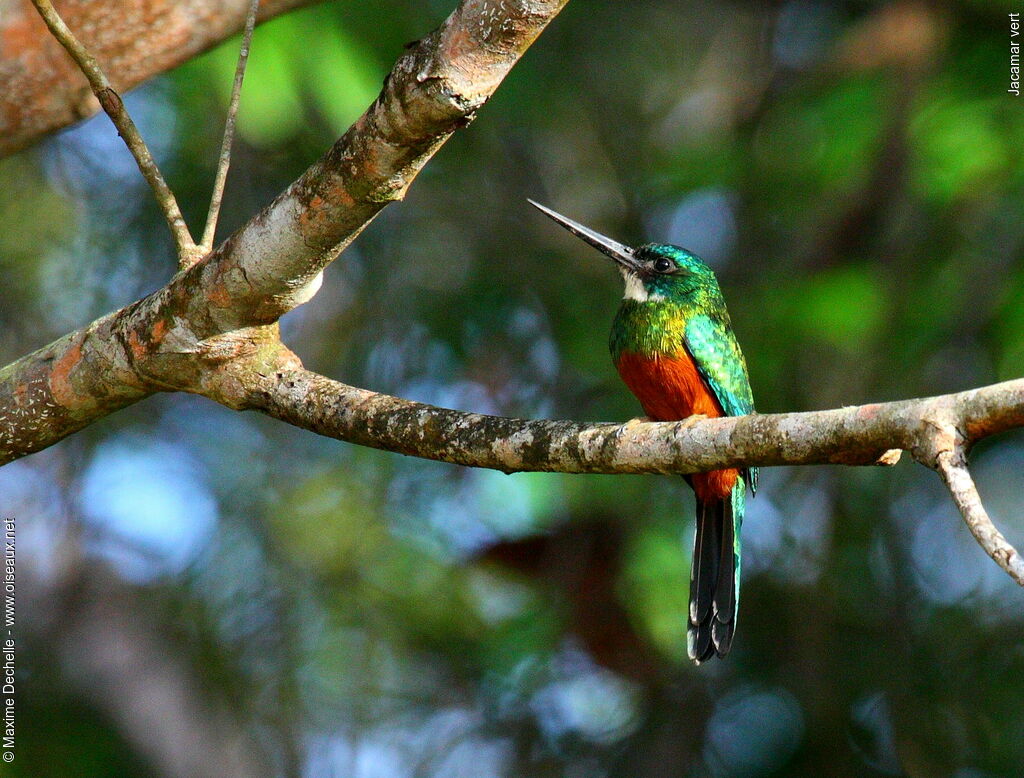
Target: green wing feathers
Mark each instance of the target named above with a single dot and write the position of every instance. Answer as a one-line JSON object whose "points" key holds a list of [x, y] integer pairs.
{"points": [[714, 349]]}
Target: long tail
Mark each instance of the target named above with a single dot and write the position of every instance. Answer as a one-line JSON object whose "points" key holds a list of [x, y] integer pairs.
{"points": [[715, 575]]}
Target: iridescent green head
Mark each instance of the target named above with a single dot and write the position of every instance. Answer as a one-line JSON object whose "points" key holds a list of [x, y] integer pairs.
{"points": [[653, 271], [661, 270]]}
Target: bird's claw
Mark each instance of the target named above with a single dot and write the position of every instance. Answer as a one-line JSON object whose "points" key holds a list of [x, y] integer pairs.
{"points": [[627, 424]]}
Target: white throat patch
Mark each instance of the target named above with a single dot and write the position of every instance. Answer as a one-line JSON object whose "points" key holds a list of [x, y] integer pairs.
{"points": [[635, 289]]}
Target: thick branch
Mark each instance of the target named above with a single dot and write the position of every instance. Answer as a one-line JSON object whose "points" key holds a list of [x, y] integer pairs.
{"points": [[856, 435], [61, 388], [134, 39]]}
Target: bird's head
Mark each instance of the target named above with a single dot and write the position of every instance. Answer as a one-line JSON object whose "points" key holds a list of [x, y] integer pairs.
{"points": [[653, 271]]}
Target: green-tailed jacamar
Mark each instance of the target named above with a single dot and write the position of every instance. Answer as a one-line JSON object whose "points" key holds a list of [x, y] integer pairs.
{"points": [[673, 345]]}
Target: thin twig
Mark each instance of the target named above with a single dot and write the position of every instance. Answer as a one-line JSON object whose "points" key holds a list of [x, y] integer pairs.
{"points": [[953, 469], [229, 131], [114, 107]]}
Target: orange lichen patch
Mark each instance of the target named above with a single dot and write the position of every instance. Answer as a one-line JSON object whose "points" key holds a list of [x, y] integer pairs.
{"points": [[458, 42], [159, 330], [373, 162], [320, 211], [312, 216], [20, 395], [218, 295], [868, 411], [137, 346], [60, 376], [669, 389], [999, 421]]}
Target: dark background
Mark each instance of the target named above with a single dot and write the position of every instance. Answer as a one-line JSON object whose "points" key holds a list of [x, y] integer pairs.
{"points": [[191, 575]]}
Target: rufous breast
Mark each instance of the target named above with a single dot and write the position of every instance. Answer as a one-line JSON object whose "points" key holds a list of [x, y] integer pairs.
{"points": [[670, 388]]}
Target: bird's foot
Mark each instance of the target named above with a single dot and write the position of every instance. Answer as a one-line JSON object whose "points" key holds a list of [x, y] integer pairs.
{"points": [[627, 424]]}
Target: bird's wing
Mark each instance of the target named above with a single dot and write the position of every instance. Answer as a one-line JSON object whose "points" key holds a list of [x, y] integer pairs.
{"points": [[720, 362]]}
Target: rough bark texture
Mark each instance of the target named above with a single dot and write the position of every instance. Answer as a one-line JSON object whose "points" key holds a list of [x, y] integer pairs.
{"points": [[273, 263], [55, 391], [133, 40], [937, 431]]}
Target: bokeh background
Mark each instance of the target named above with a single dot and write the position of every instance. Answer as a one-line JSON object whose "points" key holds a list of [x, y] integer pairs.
{"points": [[195, 581]]}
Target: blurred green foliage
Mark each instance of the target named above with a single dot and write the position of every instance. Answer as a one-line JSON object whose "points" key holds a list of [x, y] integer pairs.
{"points": [[853, 172]]}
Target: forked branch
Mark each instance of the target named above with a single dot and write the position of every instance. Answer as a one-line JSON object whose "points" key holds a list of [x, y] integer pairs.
{"points": [[114, 107], [224, 307]]}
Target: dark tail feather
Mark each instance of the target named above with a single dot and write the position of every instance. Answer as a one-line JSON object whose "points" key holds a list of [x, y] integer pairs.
{"points": [[713, 580]]}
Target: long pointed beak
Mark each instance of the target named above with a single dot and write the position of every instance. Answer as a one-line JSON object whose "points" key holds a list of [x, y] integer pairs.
{"points": [[621, 253]]}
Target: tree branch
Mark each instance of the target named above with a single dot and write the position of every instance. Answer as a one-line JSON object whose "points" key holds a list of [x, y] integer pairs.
{"points": [[135, 41], [114, 107], [929, 428], [61, 388], [856, 435], [225, 307], [224, 161], [953, 469], [273, 263]]}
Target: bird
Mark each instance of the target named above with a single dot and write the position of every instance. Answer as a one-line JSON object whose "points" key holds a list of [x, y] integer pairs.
{"points": [[673, 345]]}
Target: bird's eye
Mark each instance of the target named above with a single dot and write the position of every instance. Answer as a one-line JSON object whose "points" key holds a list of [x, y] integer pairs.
{"points": [[663, 265]]}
